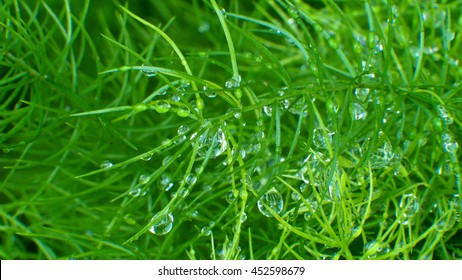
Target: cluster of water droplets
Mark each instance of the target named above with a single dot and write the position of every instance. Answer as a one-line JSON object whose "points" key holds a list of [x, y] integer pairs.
{"points": [[450, 145], [234, 82], [444, 114], [381, 153], [292, 104], [135, 192], [374, 248]]}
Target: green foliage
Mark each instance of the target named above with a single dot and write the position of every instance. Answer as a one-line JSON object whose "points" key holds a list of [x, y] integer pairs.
{"points": [[269, 129]]}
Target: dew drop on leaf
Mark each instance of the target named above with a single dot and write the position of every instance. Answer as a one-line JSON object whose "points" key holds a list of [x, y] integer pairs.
{"points": [[144, 179], [357, 111], [409, 206], [164, 226], [270, 200], [191, 179], [183, 129], [106, 164], [162, 107]]}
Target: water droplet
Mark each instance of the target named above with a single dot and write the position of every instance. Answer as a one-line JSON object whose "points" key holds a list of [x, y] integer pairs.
{"points": [[166, 182], [256, 147], [234, 82], [106, 164], [268, 110], [148, 72], [357, 47], [357, 111], [137, 192], [204, 27], [293, 11], [146, 156], [449, 35], [206, 188], [308, 215], [183, 129], [244, 217], [213, 139], [164, 226], [129, 219], [422, 140], [210, 93], [452, 61], [199, 104], [371, 248], [319, 140], [270, 200], [140, 107], [444, 114], [303, 187], [180, 139], [206, 231], [144, 179], [230, 198], [333, 43], [199, 169], [183, 112], [381, 155], [176, 97], [285, 104], [167, 142], [223, 12], [449, 143], [362, 93], [221, 142], [383, 224], [243, 194], [243, 153], [183, 192], [167, 160], [194, 214], [334, 188], [193, 136], [191, 179], [295, 196], [409, 205], [441, 226], [162, 107], [355, 231], [318, 27]]}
